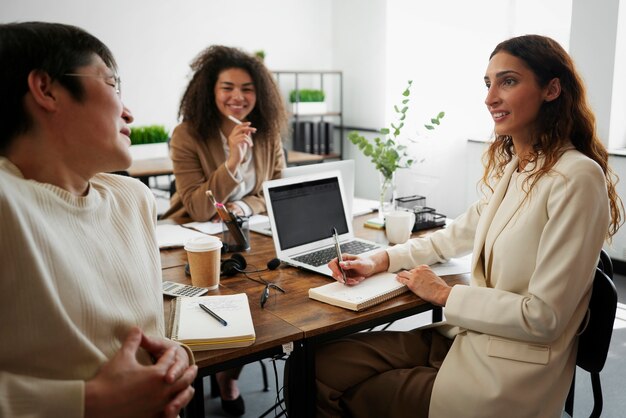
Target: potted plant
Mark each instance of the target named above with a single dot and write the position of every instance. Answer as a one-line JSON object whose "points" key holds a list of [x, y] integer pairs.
{"points": [[148, 141], [307, 101], [388, 154]]}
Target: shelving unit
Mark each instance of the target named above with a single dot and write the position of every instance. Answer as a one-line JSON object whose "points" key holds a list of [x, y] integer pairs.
{"points": [[331, 82]]}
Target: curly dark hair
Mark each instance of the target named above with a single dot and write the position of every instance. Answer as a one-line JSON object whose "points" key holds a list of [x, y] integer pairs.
{"points": [[198, 107], [566, 119]]}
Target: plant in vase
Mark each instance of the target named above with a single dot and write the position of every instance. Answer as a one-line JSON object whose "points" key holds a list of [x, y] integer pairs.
{"points": [[307, 101], [388, 154]]}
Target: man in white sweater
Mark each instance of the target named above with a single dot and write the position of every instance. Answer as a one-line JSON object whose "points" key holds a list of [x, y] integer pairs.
{"points": [[80, 275]]}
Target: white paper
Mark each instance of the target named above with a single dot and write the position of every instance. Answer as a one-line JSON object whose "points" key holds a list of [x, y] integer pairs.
{"points": [[169, 235], [214, 228], [453, 266]]}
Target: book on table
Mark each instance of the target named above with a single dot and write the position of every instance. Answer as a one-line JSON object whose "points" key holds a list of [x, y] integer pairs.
{"points": [[380, 287], [196, 328], [369, 292]]}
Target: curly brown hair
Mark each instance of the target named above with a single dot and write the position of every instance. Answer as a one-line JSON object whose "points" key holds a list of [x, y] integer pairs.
{"points": [[566, 119], [198, 107]]}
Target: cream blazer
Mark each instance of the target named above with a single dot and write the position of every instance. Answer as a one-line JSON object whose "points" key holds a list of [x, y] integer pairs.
{"points": [[199, 166], [515, 325]]}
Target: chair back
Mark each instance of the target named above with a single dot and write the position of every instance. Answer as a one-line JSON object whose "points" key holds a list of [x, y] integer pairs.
{"points": [[593, 343]]}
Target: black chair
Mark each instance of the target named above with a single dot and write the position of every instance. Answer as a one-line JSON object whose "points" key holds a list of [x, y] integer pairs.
{"points": [[593, 342]]}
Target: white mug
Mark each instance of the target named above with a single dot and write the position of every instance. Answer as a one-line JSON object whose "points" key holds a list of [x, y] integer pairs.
{"points": [[399, 225]]}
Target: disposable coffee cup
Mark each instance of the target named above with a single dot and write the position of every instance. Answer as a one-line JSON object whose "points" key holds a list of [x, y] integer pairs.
{"points": [[203, 254], [398, 226]]}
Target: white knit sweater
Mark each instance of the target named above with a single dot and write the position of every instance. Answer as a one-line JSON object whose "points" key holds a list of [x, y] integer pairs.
{"points": [[75, 274]]}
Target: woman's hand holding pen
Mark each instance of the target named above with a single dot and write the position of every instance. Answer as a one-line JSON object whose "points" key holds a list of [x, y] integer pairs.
{"points": [[358, 268], [238, 143], [426, 284]]}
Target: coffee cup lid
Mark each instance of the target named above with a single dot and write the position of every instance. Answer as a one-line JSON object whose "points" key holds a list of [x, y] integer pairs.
{"points": [[200, 244]]}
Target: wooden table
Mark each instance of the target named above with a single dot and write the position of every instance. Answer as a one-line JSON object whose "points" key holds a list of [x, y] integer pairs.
{"points": [[152, 167], [305, 321]]}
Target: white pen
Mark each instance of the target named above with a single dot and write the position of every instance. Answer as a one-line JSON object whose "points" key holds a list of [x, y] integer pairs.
{"points": [[234, 119], [238, 122]]}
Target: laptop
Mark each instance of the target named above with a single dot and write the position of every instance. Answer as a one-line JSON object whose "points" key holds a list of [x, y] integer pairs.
{"points": [[347, 174], [346, 167], [303, 211]]}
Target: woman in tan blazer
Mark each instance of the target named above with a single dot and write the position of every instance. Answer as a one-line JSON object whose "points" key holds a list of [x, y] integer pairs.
{"points": [[508, 346], [229, 142], [211, 151]]}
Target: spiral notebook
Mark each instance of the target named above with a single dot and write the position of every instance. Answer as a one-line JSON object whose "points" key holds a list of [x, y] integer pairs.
{"points": [[194, 327], [370, 292]]}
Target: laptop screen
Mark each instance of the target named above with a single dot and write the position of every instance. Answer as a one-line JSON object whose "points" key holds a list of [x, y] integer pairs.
{"points": [[306, 212]]}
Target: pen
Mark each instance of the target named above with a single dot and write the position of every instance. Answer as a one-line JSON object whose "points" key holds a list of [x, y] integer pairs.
{"points": [[339, 256], [230, 220], [234, 119], [213, 314], [238, 122], [224, 214]]}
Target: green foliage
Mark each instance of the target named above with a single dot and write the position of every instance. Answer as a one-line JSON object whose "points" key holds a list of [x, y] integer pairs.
{"points": [[306, 95], [260, 54], [386, 152], [148, 134], [435, 121]]}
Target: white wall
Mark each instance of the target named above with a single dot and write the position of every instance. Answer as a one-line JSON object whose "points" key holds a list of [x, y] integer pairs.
{"points": [[444, 48], [592, 46], [617, 130], [155, 40]]}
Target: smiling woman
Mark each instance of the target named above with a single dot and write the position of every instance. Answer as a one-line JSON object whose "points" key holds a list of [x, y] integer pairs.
{"points": [[210, 151], [229, 142], [549, 204]]}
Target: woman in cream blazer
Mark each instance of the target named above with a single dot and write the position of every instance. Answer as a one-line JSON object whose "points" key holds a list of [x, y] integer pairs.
{"points": [[508, 346]]}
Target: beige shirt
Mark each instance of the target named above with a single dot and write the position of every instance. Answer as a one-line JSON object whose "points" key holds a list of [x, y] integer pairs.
{"points": [[77, 273]]}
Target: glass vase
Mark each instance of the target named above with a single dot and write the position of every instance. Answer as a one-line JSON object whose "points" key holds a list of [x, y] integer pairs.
{"points": [[387, 197]]}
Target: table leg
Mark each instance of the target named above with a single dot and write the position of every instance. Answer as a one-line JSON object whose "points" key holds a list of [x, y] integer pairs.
{"points": [[437, 314], [195, 407]]}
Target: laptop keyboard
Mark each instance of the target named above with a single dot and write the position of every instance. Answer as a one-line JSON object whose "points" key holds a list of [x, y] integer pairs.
{"points": [[323, 256]]}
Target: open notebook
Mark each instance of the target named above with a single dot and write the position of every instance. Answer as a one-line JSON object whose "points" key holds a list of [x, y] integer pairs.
{"points": [[379, 288], [194, 327]]}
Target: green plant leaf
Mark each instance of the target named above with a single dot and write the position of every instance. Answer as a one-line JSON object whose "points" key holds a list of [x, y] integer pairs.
{"points": [[429, 127], [441, 115]]}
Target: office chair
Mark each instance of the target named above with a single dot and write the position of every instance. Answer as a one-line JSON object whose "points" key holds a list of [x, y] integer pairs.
{"points": [[593, 342]]}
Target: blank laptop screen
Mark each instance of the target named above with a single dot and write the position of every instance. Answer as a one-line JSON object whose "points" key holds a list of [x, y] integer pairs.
{"points": [[306, 212]]}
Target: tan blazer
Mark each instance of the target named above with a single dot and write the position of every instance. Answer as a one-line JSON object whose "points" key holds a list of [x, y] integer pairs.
{"points": [[532, 270], [199, 166]]}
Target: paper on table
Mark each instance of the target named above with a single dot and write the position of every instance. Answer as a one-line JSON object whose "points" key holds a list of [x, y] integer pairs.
{"points": [[216, 228], [169, 235], [459, 265]]}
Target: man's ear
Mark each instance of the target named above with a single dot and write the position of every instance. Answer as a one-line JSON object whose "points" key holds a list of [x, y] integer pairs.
{"points": [[553, 90], [42, 89]]}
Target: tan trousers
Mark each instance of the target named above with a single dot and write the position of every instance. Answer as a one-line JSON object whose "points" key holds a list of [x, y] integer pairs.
{"points": [[379, 374]]}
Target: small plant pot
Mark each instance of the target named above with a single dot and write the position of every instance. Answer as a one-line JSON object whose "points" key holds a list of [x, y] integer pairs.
{"points": [[308, 108], [147, 151]]}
